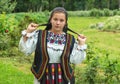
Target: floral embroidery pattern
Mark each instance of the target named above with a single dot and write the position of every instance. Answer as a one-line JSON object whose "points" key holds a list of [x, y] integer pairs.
{"points": [[56, 38]]}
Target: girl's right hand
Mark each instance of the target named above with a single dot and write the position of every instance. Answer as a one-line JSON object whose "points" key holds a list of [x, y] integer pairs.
{"points": [[31, 27]]}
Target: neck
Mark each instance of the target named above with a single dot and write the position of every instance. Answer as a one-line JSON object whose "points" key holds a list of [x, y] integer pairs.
{"points": [[56, 32]]}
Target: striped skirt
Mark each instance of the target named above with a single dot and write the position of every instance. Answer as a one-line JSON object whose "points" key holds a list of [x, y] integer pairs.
{"points": [[54, 75]]}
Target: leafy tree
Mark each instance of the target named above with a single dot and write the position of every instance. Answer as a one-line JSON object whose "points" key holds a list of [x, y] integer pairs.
{"points": [[89, 4], [72, 5], [38, 5], [79, 5], [31, 5], [7, 6], [119, 4]]}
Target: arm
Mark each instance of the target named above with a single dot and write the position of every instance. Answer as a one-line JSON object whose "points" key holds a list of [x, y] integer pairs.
{"points": [[78, 53], [27, 44], [28, 41]]}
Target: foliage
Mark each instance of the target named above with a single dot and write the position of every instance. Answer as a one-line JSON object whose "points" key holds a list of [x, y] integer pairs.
{"points": [[99, 69], [7, 25], [79, 13], [110, 70], [7, 6], [11, 26], [31, 5], [2, 20], [91, 70], [112, 24], [70, 5], [92, 61], [94, 13], [102, 64]]}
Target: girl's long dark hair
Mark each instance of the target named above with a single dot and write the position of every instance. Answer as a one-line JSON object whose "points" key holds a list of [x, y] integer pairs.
{"points": [[65, 29], [58, 9], [49, 26]]}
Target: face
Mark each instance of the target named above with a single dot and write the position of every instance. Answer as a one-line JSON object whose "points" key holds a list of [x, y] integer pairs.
{"points": [[58, 22]]}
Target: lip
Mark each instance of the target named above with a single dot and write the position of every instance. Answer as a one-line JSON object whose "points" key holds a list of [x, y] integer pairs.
{"points": [[56, 26]]}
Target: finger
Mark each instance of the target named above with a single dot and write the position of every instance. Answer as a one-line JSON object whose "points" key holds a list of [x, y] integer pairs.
{"points": [[82, 36], [34, 25]]}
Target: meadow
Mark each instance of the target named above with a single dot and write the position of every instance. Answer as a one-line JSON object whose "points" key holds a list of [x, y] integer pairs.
{"points": [[16, 70]]}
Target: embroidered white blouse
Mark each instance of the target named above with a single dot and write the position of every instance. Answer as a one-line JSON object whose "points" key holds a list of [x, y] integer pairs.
{"points": [[55, 46]]}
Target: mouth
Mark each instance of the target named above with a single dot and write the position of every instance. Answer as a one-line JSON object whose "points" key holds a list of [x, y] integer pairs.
{"points": [[56, 26]]}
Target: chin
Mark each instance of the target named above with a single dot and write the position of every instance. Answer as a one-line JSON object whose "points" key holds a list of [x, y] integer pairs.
{"points": [[57, 29]]}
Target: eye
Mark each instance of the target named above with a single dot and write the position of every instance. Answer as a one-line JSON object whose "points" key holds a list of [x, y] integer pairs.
{"points": [[61, 20], [55, 19]]}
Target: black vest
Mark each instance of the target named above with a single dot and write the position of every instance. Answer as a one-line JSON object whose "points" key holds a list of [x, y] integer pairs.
{"points": [[42, 58]]}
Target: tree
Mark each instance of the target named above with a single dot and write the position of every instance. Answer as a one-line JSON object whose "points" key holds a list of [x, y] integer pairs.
{"points": [[72, 5], [7, 6], [119, 3], [38, 5], [89, 4]]}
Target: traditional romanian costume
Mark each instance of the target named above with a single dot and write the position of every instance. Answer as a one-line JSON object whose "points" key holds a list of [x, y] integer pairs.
{"points": [[53, 55]]}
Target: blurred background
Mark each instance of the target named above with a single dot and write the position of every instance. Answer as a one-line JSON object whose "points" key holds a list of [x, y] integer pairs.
{"points": [[99, 20]]}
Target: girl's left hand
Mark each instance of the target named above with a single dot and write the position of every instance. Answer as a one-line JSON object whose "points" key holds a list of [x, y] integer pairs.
{"points": [[81, 39]]}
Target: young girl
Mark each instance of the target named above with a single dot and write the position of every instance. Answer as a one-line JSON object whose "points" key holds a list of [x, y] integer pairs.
{"points": [[55, 49]]}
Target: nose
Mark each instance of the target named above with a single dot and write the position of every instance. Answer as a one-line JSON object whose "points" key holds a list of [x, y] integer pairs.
{"points": [[58, 22]]}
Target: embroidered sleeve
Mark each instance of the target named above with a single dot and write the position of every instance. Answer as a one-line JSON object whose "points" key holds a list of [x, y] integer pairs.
{"points": [[78, 53], [30, 45]]}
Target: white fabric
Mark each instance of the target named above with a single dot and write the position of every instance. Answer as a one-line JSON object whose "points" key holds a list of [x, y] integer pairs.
{"points": [[54, 55], [36, 81], [78, 54]]}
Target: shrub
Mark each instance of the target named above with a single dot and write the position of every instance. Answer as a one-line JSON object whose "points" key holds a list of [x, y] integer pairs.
{"points": [[99, 67], [107, 12], [79, 13], [11, 26], [110, 70], [96, 12], [7, 6], [111, 24]]}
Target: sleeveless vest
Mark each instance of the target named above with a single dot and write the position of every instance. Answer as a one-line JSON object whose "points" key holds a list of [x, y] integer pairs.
{"points": [[42, 58]]}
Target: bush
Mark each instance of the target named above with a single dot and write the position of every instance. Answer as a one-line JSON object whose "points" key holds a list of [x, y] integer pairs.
{"points": [[96, 13], [99, 68], [7, 6], [79, 13], [11, 26], [108, 12], [111, 24]]}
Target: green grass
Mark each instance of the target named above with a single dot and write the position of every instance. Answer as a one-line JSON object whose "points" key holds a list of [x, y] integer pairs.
{"points": [[10, 73], [104, 40], [18, 72], [80, 24]]}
